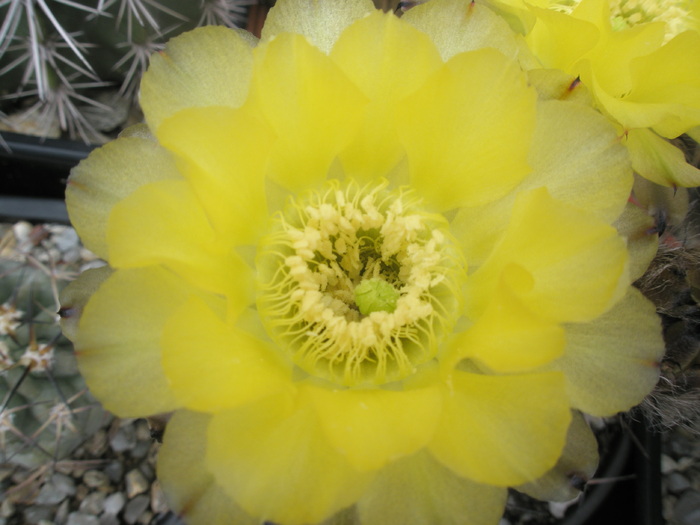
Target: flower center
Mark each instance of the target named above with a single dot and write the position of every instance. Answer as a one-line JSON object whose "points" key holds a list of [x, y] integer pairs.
{"points": [[359, 284], [629, 13]]}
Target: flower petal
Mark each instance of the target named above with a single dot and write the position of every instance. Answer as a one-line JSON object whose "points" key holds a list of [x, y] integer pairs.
{"points": [[273, 458], [612, 362], [75, 296], [309, 103], [320, 22], [637, 227], [164, 223], [210, 66], [456, 26], [417, 490], [503, 415], [560, 40], [578, 264], [373, 427], [212, 367], [118, 341], [656, 159], [665, 92], [469, 150], [576, 465], [576, 155], [190, 488], [105, 177], [387, 59], [508, 337], [223, 155]]}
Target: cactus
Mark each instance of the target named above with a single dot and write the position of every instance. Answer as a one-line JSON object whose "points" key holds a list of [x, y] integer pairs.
{"points": [[73, 67], [672, 282], [45, 410]]}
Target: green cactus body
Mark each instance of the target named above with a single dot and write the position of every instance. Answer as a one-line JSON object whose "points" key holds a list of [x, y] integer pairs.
{"points": [[46, 411], [74, 68]]}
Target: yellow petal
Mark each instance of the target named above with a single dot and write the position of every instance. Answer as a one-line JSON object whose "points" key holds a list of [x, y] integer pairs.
{"points": [[554, 84], [387, 59], [471, 149], [374, 427], [510, 338], [75, 296], [576, 155], [637, 227], [578, 264], [274, 460], [656, 159], [118, 341], [560, 40], [418, 490], [189, 487], [612, 363], [210, 66], [456, 26], [223, 155], [164, 223], [577, 465], [106, 176], [320, 21], [488, 421], [308, 103], [665, 90], [212, 367]]}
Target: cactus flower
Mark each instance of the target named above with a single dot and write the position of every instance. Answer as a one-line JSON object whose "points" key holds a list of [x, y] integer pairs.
{"points": [[641, 61], [366, 263]]}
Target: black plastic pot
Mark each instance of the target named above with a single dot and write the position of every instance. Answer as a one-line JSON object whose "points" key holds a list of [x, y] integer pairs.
{"points": [[628, 490], [33, 173]]}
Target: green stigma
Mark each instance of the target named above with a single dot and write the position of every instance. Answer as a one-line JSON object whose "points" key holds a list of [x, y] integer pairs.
{"points": [[375, 295]]}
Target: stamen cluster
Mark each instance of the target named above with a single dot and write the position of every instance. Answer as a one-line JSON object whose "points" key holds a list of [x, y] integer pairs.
{"points": [[324, 247]]}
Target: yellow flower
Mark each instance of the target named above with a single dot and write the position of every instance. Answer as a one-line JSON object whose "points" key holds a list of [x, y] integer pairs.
{"points": [[369, 267], [640, 60]]}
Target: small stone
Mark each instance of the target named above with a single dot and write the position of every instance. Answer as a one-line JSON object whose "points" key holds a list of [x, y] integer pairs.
{"points": [[93, 503], [685, 463], [78, 518], [81, 492], [55, 490], [98, 444], [95, 479], [668, 465], [35, 513], [687, 511], [114, 503], [145, 518], [135, 508], [141, 449], [62, 513], [677, 483], [158, 503], [65, 239], [143, 432], [147, 471], [114, 471], [109, 519], [136, 483], [124, 439]]}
